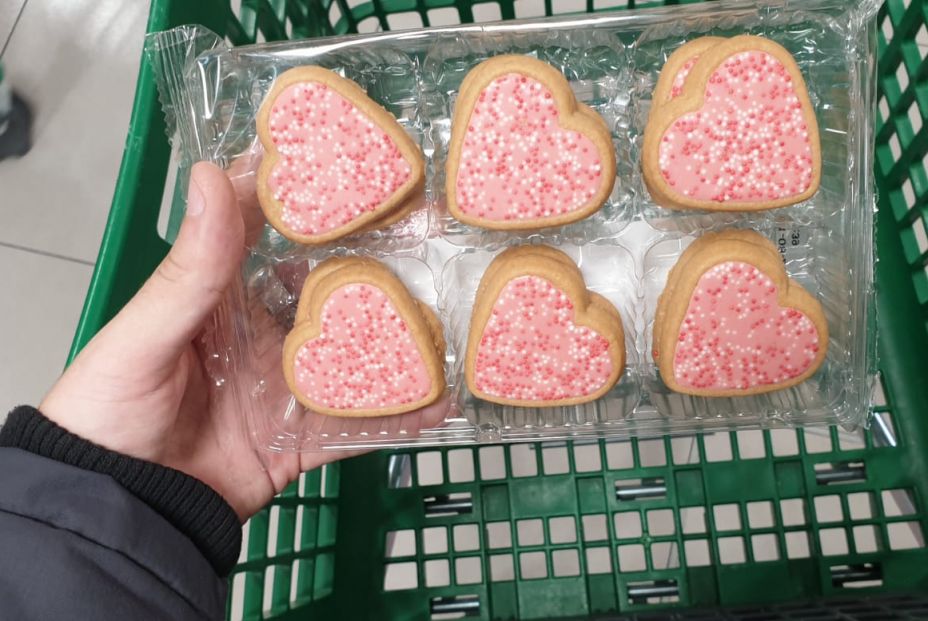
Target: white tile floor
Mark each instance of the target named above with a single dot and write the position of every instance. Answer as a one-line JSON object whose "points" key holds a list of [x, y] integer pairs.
{"points": [[75, 61]]}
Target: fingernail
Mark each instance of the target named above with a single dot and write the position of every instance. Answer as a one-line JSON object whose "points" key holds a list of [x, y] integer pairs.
{"points": [[196, 200]]}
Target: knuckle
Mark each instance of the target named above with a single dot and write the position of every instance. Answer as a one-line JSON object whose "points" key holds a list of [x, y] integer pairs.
{"points": [[170, 269], [177, 273]]}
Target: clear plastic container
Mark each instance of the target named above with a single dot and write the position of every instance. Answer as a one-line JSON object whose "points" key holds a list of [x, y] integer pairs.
{"points": [[625, 251]]}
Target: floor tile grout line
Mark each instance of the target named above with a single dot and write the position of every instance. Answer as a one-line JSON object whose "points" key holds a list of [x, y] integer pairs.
{"points": [[9, 35], [51, 255]]}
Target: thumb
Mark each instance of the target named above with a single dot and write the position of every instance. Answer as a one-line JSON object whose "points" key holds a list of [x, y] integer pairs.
{"points": [[169, 310]]}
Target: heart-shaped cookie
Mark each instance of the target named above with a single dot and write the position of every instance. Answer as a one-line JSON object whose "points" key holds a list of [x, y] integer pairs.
{"points": [[524, 154], [740, 134], [361, 344], [537, 336], [730, 322], [336, 162]]}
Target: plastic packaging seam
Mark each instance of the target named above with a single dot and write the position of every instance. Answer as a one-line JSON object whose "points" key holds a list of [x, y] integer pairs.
{"points": [[172, 54]]}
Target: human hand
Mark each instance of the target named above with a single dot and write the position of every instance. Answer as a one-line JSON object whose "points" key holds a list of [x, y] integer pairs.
{"points": [[140, 387]]}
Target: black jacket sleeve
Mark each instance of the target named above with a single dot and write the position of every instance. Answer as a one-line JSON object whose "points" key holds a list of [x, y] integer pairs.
{"points": [[86, 533]]}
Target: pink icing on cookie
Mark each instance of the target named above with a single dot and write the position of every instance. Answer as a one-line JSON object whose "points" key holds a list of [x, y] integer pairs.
{"points": [[677, 87], [365, 357], [517, 162], [334, 162], [749, 141], [735, 335], [531, 349]]}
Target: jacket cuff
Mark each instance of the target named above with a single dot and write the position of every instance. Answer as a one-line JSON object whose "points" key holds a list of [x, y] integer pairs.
{"points": [[191, 506]]}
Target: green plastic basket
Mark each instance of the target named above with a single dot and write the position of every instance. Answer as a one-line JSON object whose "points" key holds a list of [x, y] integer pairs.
{"points": [[745, 525]]}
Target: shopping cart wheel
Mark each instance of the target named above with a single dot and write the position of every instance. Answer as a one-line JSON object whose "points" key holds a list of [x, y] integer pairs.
{"points": [[16, 136]]}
